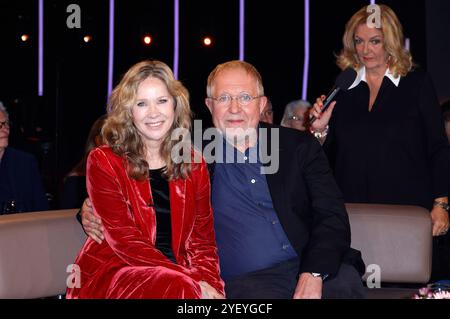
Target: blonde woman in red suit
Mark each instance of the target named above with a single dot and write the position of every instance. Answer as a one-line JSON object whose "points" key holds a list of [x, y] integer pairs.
{"points": [[157, 216]]}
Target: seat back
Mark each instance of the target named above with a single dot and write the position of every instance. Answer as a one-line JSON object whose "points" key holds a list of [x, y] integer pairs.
{"points": [[35, 250], [396, 238]]}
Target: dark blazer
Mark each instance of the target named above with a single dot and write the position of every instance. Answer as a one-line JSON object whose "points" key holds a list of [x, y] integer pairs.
{"points": [[309, 203], [20, 181]]}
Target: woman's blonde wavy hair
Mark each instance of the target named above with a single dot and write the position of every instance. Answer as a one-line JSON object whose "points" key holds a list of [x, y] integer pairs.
{"points": [[120, 133], [400, 59]]}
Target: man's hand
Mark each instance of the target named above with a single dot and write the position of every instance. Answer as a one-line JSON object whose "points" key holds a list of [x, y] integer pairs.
{"points": [[92, 225], [208, 292], [308, 287]]}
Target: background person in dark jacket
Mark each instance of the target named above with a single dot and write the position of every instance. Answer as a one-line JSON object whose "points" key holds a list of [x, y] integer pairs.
{"points": [[21, 187], [74, 188]]}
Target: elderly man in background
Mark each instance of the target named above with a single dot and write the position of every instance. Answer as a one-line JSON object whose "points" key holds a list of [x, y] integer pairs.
{"points": [[296, 114], [267, 113], [21, 188]]}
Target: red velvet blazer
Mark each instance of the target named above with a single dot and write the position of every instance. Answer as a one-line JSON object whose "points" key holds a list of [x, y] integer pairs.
{"points": [[130, 227]]}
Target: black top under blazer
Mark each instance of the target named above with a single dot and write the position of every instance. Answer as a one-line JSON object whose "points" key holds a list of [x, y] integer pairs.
{"points": [[395, 154]]}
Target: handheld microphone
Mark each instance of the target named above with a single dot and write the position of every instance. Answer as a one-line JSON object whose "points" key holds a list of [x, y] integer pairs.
{"points": [[344, 80]]}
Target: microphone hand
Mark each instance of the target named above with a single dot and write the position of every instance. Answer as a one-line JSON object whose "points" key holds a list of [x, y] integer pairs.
{"points": [[323, 108], [322, 119]]}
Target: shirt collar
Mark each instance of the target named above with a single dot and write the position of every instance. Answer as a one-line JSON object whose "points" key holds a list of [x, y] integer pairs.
{"points": [[230, 154], [361, 76]]}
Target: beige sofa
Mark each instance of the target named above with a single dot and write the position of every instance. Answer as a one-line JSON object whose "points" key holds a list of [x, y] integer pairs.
{"points": [[396, 244], [36, 249]]}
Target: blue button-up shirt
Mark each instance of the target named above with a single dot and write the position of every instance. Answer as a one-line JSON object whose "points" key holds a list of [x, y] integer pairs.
{"points": [[248, 232]]}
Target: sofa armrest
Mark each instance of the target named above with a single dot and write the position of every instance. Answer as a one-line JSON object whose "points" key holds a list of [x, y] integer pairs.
{"points": [[397, 238], [35, 250]]}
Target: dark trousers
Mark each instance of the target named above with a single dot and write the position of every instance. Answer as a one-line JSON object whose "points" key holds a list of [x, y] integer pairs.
{"points": [[441, 258], [280, 281]]}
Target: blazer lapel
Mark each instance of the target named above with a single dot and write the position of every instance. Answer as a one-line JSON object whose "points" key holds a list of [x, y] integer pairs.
{"points": [[274, 181]]}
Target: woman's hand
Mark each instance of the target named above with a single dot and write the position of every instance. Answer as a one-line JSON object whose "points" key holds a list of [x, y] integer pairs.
{"points": [[208, 292], [440, 221], [322, 119]]}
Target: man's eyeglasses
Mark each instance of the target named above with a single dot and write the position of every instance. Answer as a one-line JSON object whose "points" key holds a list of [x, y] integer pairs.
{"points": [[296, 118], [267, 113], [243, 99], [4, 124]]}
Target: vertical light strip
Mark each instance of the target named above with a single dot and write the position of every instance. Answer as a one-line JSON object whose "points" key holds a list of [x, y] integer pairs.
{"points": [[111, 47], [41, 49], [408, 44], [372, 1], [241, 28], [176, 45], [306, 59]]}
